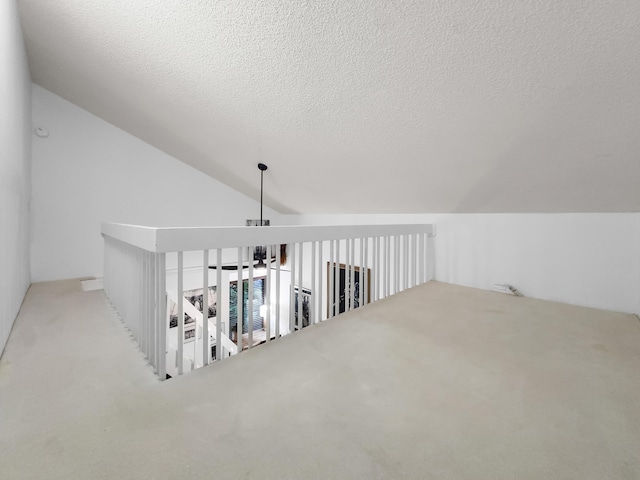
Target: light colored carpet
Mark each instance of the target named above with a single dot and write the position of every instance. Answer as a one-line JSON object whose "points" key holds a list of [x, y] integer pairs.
{"points": [[439, 382]]}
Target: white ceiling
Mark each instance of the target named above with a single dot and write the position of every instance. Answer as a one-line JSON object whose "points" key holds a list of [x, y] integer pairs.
{"points": [[365, 107]]}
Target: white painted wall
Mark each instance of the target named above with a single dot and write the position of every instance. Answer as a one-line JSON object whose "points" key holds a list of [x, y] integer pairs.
{"points": [[590, 259], [15, 157], [88, 171]]}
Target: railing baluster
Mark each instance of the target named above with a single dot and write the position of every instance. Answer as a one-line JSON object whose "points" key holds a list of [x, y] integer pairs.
{"points": [[376, 269], [400, 270], [250, 300], [394, 251], [421, 252], [154, 323], [347, 275], [139, 272], [425, 259], [149, 314], [386, 268], [219, 349], [278, 299], [409, 283], [147, 310], [143, 301], [402, 241], [363, 273], [314, 291], [352, 274], [239, 301], [300, 285], [425, 263], [206, 345], [135, 304], [147, 305], [150, 307], [410, 261], [405, 284], [321, 281], [389, 290], [401, 252], [383, 267], [291, 292], [395, 259], [132, 302], [414, 260], [267, 301], [179, 297], [330, 280], [161, 314], [337, 279]]}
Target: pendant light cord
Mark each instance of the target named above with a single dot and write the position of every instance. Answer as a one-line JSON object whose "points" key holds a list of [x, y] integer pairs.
{"points": [[262, 168]]}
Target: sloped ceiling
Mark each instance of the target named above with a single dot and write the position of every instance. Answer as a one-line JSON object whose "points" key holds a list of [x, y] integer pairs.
{"points": [[365, 107]]}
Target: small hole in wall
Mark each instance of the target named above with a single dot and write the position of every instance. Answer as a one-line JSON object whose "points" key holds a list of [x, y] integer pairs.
{"points": [[41, 132]]}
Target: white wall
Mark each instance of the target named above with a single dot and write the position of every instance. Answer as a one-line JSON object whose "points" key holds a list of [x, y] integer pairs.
{"points": [[88, 171], [15, 153], [583, 259]]}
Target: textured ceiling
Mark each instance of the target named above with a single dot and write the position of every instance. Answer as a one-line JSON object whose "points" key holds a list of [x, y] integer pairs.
{"points": [[415, 106]]}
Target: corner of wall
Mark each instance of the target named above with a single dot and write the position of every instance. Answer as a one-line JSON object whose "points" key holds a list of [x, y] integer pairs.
{"points": [[15, 169]]}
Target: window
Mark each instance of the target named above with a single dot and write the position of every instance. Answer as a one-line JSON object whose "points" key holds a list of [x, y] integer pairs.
{"points": [[259, 286]]}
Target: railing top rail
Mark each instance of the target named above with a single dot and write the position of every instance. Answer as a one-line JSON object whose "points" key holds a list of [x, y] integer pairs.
{"points": [[182, 239]]}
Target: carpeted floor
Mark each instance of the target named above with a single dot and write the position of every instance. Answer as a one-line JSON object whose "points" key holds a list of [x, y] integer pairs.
{"points": [[438, 382]]}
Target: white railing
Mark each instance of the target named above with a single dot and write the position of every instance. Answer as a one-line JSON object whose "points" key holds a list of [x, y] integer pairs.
{"points": [[308, 274]]}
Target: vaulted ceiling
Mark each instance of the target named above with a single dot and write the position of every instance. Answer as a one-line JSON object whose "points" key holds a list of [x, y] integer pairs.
{"points": [[364, 106]]}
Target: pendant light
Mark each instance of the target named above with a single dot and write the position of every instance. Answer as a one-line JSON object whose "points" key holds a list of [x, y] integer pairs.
{"points": [[260, 253]]}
